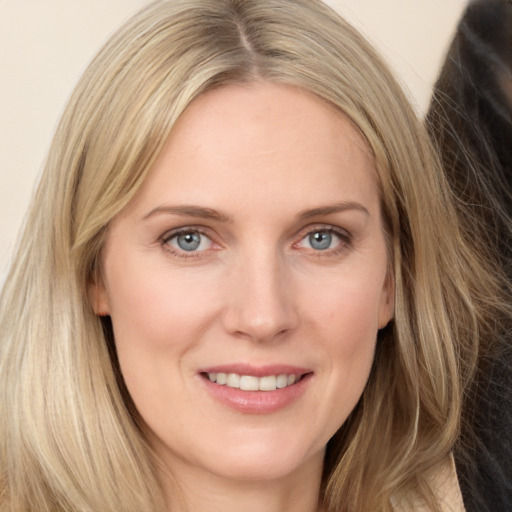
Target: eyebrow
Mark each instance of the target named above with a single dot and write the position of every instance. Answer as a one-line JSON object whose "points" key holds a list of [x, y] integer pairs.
{"points": [[329, 210], [211, 214], [189, 211]]}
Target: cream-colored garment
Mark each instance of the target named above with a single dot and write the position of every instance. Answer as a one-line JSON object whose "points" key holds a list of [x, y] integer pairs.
{"points": [[446, 483]]}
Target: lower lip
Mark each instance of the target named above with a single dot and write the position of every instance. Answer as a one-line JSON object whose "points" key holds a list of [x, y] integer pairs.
{"points": [[258, 402]]}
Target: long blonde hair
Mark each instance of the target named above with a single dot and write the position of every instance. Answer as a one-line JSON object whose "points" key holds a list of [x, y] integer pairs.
{"points": [[69, 435]]}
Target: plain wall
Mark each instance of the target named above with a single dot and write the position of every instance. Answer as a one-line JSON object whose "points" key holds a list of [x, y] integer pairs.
{"points": [[46, 44]]}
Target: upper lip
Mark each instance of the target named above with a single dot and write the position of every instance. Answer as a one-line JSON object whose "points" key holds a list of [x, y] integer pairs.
{"points": [[256, 371]]}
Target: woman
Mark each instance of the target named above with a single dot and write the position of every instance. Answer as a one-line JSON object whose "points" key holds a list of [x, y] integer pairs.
{"points": [[242, 281]]}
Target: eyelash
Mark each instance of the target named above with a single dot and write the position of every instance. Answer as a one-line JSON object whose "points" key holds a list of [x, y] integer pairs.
{"points": [[182, 254], [345, 240], [344, 236]]}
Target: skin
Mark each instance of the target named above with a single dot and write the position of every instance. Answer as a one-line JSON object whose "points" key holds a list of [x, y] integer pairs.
{"points": [[256, 291]]}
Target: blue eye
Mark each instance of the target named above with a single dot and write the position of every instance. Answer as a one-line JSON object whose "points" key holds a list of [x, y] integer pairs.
{"points": [[189, 241], [322, 240]]}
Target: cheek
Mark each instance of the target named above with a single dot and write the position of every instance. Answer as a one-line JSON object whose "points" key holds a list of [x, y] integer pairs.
{"points": [[157, 308], [350, 309], [159, 316], [156, 321], [347, 322], [351, 345]]}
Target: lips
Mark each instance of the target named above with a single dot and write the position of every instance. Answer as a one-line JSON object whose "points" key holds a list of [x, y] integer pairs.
{"points": [[256, 390]]}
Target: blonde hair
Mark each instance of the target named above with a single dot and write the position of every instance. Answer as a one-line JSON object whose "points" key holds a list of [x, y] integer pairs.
{"points": [[69, 434]]}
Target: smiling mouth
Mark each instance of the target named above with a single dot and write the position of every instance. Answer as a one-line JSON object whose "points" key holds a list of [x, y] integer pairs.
{"points": [[252, 383]]}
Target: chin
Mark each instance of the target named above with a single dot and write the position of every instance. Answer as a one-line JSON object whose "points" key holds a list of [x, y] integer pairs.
{"points": [[264, 460], [239, 458]]}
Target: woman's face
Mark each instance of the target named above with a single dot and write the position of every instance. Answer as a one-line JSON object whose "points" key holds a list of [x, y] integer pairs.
{"points": [[247, 281]]}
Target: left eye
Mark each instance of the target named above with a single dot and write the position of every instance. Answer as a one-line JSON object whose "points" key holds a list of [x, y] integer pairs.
{"points": [[189, 241], [321, 240]]}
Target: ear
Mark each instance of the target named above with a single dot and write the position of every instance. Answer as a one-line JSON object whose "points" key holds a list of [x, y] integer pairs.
{"points": [[387, 301], [98, 295]]}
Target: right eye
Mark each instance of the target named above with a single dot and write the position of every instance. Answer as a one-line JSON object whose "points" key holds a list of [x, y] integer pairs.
{"points": [[189, 241]]}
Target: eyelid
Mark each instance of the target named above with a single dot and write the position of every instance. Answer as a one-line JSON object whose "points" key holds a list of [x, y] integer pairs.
{"points": [[344, 235], [182, 230], [313, 228]]}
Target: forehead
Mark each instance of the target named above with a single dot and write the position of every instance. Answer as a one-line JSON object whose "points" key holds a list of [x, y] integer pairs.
{"points": [[267, 115], [264, 141]]}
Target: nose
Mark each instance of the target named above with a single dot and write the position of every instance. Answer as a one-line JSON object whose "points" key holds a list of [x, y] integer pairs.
{"points": [[261, 305]]}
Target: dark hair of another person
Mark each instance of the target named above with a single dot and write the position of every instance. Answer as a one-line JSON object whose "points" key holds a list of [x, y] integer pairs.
{"points": [[470, 120]]}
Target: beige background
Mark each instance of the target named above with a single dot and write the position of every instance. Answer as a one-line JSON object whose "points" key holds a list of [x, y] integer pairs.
{"points": [[46, 44]]}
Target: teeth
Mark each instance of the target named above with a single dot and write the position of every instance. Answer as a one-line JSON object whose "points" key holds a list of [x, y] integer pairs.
{"points": [[282, 381], [251, 383], [233, 380], [248, 383], [267, 383]]}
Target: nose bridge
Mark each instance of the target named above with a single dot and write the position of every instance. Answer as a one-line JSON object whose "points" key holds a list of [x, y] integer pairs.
{"points": [[261, 305]]}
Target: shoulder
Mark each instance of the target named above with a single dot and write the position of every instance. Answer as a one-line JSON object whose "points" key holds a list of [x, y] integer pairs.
{"points": [[445, 485]]}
